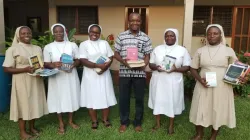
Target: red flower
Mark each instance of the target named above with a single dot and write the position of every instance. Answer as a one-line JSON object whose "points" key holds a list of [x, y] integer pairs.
{"points": [[111, 37], [247, 54]]}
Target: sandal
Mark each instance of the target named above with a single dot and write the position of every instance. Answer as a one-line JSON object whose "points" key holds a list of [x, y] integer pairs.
{"points": [[35, 133], [155, 128], [107, 123], [29, 138], [74, 126], [60, 131], [94, 125], [170, 132]]}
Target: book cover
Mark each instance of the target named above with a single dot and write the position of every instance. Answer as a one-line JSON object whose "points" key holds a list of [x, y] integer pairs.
{"points": [[101, 60], [67, 62], [168, 62], [233, 73], [132, 53], [211, 79], [36, 62]]}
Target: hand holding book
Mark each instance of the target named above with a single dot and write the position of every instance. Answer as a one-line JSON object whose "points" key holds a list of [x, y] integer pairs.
{"points": [[57, 64], [103, 67], [29, 69], [204, 82]]}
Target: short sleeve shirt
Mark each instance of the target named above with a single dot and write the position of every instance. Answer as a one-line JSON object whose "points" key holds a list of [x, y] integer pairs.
{"points": [[127, 39]]}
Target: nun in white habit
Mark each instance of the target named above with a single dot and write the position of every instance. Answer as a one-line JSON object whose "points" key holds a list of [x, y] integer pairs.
{"points": [[166, 90], [64, 87], [97, 90]]}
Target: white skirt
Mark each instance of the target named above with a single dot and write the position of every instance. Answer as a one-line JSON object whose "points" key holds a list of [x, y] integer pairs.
{"points": [[97, 91], [166, 94], [64, 92]]}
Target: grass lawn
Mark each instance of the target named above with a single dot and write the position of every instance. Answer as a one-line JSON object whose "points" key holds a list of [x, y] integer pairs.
{"points": [[183, 128]]}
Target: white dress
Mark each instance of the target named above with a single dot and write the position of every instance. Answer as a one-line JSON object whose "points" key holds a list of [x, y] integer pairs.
{"points": [[97, 91], [166, 90], [63, 88]]}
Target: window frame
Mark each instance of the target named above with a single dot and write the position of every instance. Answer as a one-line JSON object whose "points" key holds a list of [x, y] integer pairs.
{"points": [[211, 17], [76, 16], [139, 6]]}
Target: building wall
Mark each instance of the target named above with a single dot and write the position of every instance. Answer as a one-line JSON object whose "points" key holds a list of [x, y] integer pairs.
{"points": [[159, 20]]}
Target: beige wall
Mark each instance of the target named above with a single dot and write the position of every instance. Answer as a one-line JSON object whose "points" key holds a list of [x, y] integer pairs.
{"points": [[196, 43], [163, 17], [159, 20]]}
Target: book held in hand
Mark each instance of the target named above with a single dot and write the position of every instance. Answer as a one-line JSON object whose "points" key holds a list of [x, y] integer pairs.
{"points": [[45, 72], [168, 63], [132, 53], [100, 59], [234, 71], [37, 63], [136, 64], [211, 79], [132, 58], [67, 62]]}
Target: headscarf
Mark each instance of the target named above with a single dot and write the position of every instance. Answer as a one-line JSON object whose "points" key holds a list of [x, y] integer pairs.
{"points": [[65, 37], [223, 39], [16, 39], [176, 35], [92, 26]]}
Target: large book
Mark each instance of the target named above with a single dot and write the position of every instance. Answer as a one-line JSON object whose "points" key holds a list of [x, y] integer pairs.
{"points": [[67, 62], [100, 59], [45, 72], [233, 73], [136, 64], [168, 63]]}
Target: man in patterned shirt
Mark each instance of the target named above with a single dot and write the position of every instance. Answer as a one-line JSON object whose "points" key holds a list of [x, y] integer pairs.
{"points": [[131, 77]]}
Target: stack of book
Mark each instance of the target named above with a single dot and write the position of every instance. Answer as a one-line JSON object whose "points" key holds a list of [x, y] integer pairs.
{"points": [[132, 58], [234, 71], [37, 63]]}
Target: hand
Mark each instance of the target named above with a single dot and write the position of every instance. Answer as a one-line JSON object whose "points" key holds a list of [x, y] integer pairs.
{"points": [[244, 80], [173, 69], [72, 66], [126, 63], [105, 68], [102, 66], [204, 82], [159, 69], [57, 64], [29, 69]]}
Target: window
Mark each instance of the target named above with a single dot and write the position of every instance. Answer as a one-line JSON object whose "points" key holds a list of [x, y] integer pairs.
{"points": [[241, 30], [205, 15], [78, 17], [143, 11]]}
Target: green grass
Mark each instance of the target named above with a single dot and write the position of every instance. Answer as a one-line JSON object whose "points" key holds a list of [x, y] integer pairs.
{"points": [[183, 128]]}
